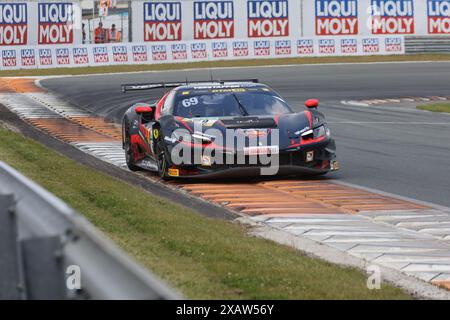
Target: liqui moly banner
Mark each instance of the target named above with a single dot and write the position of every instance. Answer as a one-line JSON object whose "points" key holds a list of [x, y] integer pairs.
{"points": [[28, 58], [240, 49], [268, 18], [219, 49], [438, 12], [371, 45], [45, 57], [200, 50], [213, 19], [336, 17], [392, 16], [55, 23], [100, 54], [162, 21], [139, 53], [10, 59], [80, 56], [120, 53], [179, 51], [13, 24], [159, 53], [63, 56], [305, 47]]}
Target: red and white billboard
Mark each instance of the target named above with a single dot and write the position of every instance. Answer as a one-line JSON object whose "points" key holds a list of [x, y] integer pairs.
{"points": [[13, 24], [336, 17], [162, 21], [267, 18], [55, 23], [213, 19]]}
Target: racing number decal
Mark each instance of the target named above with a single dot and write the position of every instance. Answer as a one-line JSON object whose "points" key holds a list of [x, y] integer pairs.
{"points": [[190, 102]]}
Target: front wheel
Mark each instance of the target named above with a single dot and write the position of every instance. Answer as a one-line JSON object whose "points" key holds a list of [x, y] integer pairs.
{"points": [[129, 150], [163, 163]]}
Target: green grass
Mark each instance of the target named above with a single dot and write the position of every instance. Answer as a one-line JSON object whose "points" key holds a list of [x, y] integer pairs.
{"points": [[203, 258], [221, 64], [437, 107]]}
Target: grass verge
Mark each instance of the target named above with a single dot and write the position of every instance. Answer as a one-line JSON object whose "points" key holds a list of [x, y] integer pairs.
{"points": [[437, 107], [222, 64], [203, 258]]}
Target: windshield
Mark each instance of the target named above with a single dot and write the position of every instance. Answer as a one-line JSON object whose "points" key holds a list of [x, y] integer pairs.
{"points": [[229, 104]]}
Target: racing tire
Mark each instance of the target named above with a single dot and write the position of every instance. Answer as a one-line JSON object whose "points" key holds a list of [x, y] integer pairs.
{"points": [[131, 164], [162, 161]]}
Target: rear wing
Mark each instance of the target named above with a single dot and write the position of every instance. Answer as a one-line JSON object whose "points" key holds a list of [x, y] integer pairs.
{"points": [[162, 85]]}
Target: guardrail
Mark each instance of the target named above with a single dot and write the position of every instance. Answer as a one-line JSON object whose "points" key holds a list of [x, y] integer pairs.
{"points": [[49, 251], [427, 44]]}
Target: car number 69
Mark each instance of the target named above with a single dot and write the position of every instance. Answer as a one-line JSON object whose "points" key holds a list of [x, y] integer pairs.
{"points": [[190, 102]]}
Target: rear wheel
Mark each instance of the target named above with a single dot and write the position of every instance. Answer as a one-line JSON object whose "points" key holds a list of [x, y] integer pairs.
{"points": [[131, 164]]}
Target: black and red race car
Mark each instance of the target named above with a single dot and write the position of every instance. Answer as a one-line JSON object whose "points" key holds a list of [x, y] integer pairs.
{"points": [[225, 129]]}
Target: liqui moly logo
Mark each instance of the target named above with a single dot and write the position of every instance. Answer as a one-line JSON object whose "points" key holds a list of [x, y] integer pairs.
{"points": [[283, 47], [13, 24], [80, 56], [179, 51], [261, 48], [198, 51], [438, 16], [28, 57], [162, 21], [213, 19], [327, 46], [55, 23], [240, 49], [349, 45], [392, 16], [393, 44], [140, 53], [219, 49], [120, 53], [305, 46], [159, 52], [268, 18], [45, 57], [336, 17], [100, 54], [371, 45], [62, 56], [9, 58]]}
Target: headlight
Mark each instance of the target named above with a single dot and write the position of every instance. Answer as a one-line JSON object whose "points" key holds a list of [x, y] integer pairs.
{"points": [[182, 136], [196, 137], [203, 137]]}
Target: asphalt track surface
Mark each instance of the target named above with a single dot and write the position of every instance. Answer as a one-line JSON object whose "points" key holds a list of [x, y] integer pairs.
{"points": [[393, 148]]}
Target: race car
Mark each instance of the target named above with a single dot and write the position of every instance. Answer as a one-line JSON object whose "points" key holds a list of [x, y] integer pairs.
{"points": [[225, 129]]}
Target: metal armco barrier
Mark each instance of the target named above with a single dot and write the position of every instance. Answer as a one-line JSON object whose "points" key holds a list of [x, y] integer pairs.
{"points": [[43, 242], [427, 44]]}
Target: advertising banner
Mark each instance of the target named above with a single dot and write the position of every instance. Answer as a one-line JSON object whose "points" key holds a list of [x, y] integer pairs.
{"points": [[268, 18], [213, 19], [58, 56], [336, 17], [162, 21], [438, 16], [13, 24]]}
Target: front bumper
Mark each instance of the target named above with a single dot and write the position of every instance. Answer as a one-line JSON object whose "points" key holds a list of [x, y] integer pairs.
{"points": [[291, 161]]}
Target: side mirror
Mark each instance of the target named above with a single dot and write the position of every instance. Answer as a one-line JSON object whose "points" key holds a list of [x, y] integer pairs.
{"points": [[147, 112], [312, 103], [143, 109]]}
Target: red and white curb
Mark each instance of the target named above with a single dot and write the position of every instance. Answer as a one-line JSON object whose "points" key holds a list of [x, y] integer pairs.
{"points": [[380, 102]]}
